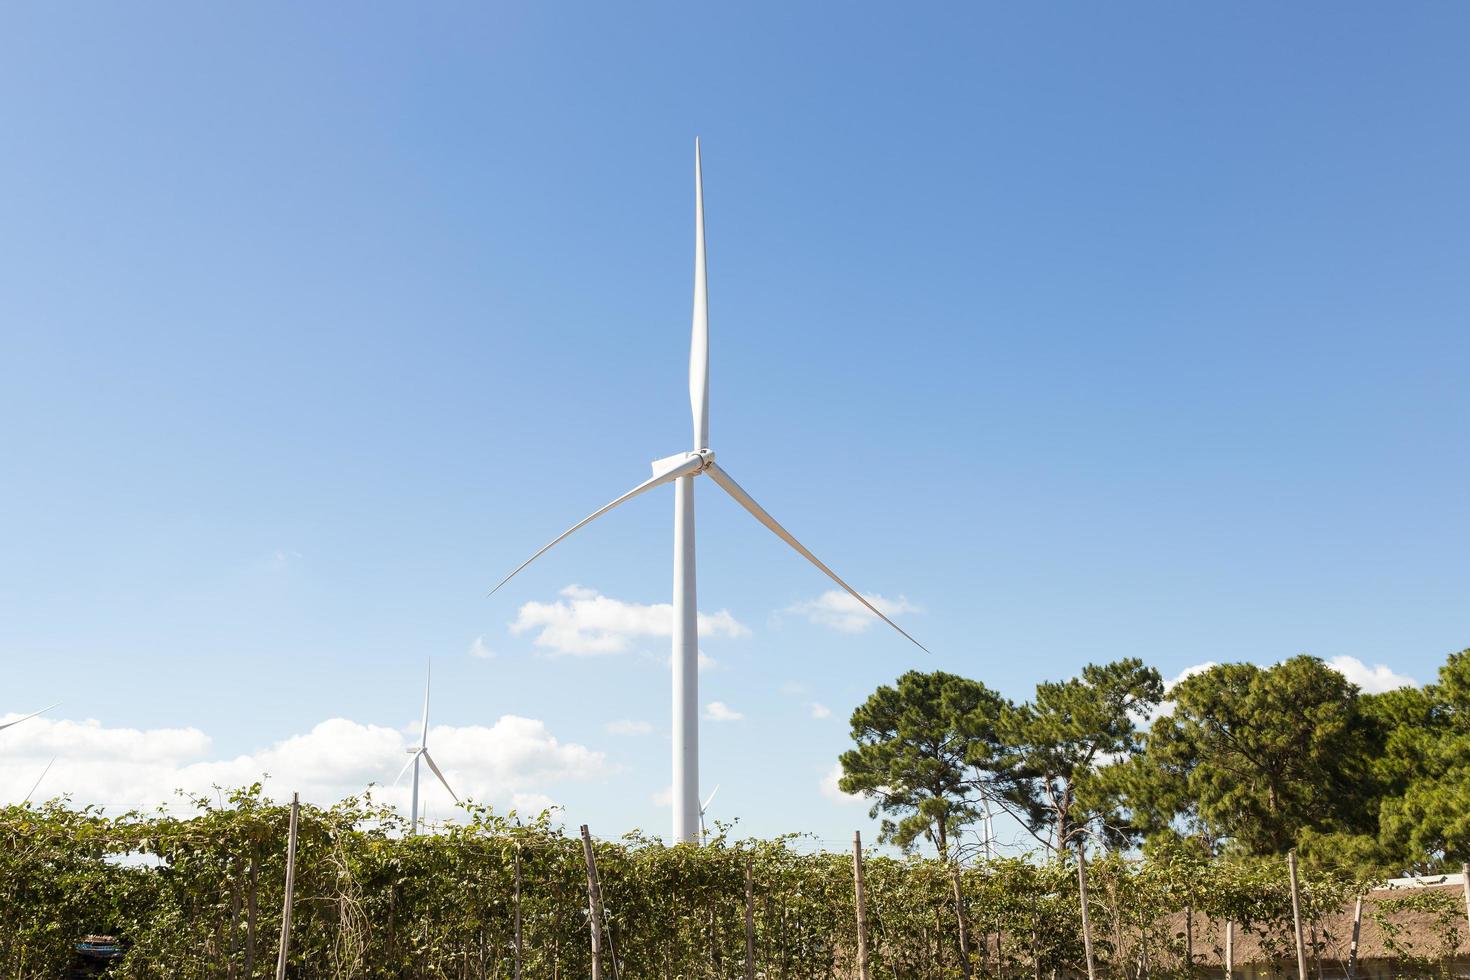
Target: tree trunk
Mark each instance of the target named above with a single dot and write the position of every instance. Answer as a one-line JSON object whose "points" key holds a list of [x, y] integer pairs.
{"points": [[959, 911]]}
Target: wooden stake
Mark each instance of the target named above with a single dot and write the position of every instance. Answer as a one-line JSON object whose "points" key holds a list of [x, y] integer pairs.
{"points": [[862, 909], [1189, 940], [290, 888], [749, 919], [959, 911], [1296, 917], [1465, 883], [252, 909], [1086, 921], [1229, 950], [518, 912], [1352, 964], [594, 904]]}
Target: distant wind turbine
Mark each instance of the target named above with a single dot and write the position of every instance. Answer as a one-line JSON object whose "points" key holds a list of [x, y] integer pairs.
{"points": [[29, 716], [703, 807], [37, 784], [680, 469], [422, 752]]}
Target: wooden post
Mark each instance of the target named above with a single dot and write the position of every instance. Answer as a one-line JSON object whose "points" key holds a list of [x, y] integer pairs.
{"points": [[594, 904], [959, 911], [252, 908], [862, 908], [1086, 920], [518, 912], [1465, 884], [290, 888], [1229, 951], [1296, 917], [1352, 963], [1189, 940], [749, 919]]}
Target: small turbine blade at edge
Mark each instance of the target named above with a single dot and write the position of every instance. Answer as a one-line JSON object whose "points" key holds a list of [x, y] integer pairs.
{"points": [[748, 502]]}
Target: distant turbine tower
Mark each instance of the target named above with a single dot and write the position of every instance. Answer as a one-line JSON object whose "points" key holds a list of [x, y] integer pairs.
{"points": [[29, 716], [702, 808], [422, 752], [680, 469]]}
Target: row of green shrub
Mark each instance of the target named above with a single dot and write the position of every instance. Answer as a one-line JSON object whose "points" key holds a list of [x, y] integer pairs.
{"points": [[201, 897]]}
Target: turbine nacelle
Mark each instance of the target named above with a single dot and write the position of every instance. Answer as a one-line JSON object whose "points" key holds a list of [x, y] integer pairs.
{"points": [[662, 468]]}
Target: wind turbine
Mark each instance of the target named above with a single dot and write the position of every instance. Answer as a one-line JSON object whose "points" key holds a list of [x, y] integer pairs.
{"points": [[29, 716], [680, 469], [422, 752], [703, 834]]}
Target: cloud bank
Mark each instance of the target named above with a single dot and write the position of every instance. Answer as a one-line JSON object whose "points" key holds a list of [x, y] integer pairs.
{"points": [[584, 622], [513, 762]]}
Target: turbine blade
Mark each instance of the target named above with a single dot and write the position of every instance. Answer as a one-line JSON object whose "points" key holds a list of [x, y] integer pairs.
{"points": [[38, 781], [407, 765], [424, 734], [711, 798], [29, 716], [748, 502], [430, 760], [699, 339], [691, 464]]}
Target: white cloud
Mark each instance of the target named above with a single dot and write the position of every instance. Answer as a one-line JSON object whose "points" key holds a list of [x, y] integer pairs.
{"points": [[720, 711], [819, 710], [1170, 684], [1165, 706], [792, 688], [1371, 680], [125, 767], [830, 790], [627, 726], [586, 623], [531, 804], [479, 649], [837, 610], [664, 797]]}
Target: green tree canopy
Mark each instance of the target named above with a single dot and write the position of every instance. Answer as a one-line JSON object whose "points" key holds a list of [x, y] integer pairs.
{"points": [[1425, 768], [1263, 754], [1052, 747], [916, 742]]}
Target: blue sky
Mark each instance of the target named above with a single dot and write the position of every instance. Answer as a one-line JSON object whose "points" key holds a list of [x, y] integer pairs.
{"points": [[1088, 331]]}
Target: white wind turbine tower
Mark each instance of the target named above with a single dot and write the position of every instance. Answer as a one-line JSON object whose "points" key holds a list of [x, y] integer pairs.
{"points": [[680, 469], [422, 752]]}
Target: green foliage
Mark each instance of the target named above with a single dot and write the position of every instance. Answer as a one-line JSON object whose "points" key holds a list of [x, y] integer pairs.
{"points": [[1250, 761], [1425, 764], [916, 744], [1051, 747], [1264, 753], [374, 903]]}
